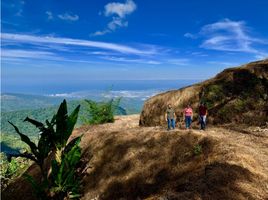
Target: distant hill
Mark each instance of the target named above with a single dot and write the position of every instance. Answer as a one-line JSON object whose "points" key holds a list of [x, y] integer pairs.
{"points": [[20, 106], [14, 102], [236, 95]]}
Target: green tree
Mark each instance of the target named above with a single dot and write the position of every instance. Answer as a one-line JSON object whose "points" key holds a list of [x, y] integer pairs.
{"points": [[101, 112]]}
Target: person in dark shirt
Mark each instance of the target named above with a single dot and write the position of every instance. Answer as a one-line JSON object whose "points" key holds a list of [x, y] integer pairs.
{"points": [[170, 117], [203, 111]]}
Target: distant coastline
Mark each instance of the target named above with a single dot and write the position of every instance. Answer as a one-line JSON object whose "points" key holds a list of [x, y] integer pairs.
{"points": [[49, 88]]}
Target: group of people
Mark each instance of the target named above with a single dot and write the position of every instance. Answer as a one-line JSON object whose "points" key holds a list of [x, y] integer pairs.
{"points": [[170, 116]]}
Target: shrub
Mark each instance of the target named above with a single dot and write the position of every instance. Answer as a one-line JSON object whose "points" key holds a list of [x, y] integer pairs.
{"points": [[11, 169], [63, 180], [213, 94], [239, 105], [197, 150], [101, 112]]}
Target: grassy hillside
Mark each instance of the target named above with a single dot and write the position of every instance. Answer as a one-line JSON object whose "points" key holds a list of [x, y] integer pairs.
{"points": [[237, 95], [150, 163]]}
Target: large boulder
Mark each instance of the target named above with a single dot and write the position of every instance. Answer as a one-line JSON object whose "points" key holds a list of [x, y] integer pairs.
{"points": [[236, 95]]}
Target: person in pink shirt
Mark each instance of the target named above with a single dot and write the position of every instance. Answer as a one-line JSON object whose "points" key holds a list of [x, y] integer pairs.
{"points": [[188, 116]]}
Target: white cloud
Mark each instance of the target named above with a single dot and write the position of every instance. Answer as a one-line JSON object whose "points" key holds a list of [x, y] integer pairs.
{"points": [[178, 61], [198, 54], [122, 59], [20, 55], [49, 15], [111, 94], [190, 35], [41, 40], [227, 64], [15, 53], [118, 11], [261, 56], [117, 22], [68, 17], [97, 33], [228, 35]]}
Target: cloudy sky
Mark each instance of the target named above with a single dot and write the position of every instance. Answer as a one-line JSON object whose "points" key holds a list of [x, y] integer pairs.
{"points": [[61, 41]]}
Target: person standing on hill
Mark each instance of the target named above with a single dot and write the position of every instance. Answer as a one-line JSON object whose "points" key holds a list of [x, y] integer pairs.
{"points": [[203, 111], [188, 116], [170, 117]]}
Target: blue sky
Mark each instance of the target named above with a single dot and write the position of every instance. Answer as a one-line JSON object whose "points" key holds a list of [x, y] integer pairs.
{"points": [[61, 41]]}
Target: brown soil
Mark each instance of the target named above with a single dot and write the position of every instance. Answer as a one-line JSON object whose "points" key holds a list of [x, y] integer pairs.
{"points": [[132, 162]]}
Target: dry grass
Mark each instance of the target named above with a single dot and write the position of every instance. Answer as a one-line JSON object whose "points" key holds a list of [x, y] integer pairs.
{"points": [[237, 95], [151, 163], [132, 162]]}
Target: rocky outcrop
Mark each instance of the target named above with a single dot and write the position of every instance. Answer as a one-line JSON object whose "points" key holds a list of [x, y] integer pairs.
{"points": [[236, 95]]}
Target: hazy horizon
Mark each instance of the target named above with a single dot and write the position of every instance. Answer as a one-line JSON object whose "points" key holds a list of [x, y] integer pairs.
{"points": [[98, 86]]}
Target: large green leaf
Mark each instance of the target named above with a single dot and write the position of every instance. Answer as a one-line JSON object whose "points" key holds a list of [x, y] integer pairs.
{"points": [[23, 155], [74, 154], [71, 121], [27, 140], [72, 143], [55, 169], [60, 174], [38, 124], [61, 124], [69, 179], [44, 144]]}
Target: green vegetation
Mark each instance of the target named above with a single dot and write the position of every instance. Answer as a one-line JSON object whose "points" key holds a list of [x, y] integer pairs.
{"points": [[197, 150], [101, 112], [11, 169], [15, 102], [240, 92], [127, 106], [10, 142], [213, 94], [63, 180]]}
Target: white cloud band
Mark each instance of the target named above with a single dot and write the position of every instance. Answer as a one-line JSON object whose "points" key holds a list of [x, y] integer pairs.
{"points": [[30, 39]]}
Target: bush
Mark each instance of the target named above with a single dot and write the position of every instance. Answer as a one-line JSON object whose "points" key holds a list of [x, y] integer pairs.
{"points": [[197, 150], [63, 180], [212, 95], [11, 169], [101, 112], [239, 105]]}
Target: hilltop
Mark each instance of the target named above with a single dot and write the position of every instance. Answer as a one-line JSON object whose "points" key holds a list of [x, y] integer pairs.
{"points": [[132, 162], [126, 161], [236, 95]]}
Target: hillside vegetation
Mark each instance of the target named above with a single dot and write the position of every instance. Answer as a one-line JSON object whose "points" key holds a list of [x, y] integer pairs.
{"points": [[236, 95], [10, 138]]}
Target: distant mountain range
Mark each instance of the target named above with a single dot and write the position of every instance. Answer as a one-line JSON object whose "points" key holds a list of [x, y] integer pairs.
{"points": [[15, 102], [16, 107]]}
